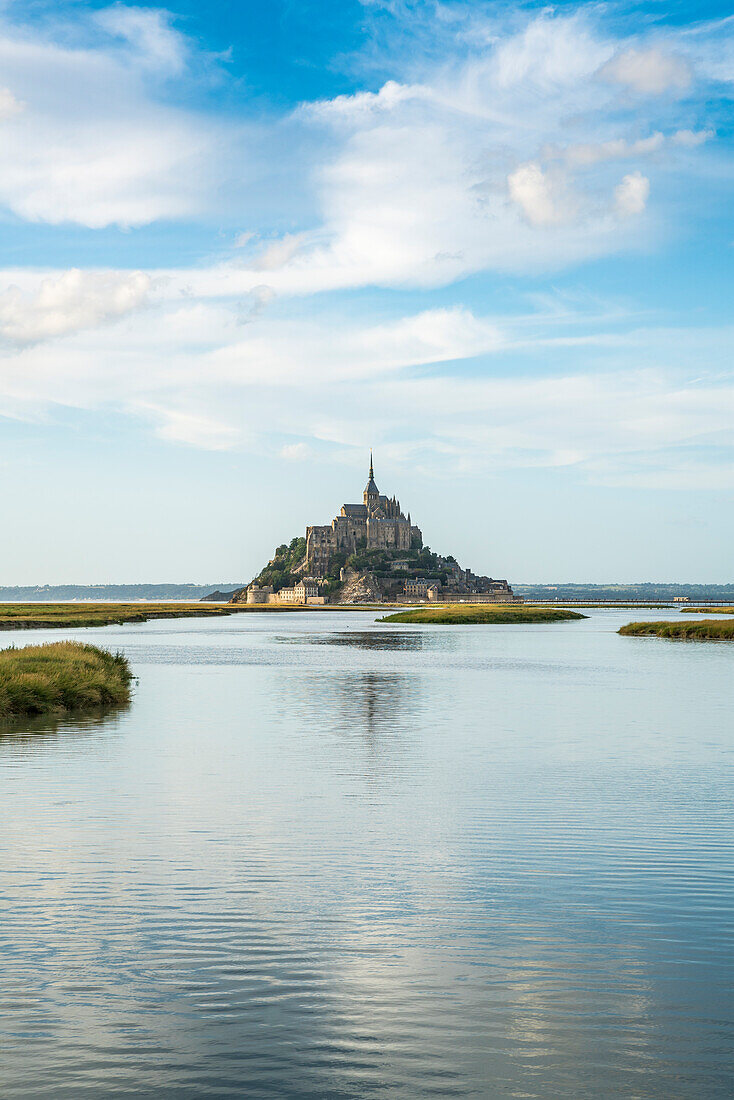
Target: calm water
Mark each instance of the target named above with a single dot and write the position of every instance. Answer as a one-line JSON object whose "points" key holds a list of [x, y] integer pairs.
{"points": [[319, 857]]}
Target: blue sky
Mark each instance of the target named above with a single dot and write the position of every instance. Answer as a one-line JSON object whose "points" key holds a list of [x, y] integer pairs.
{"points": [[242, 243]]}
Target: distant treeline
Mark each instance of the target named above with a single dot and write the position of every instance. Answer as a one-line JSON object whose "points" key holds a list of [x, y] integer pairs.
{"points": [[49, 592], [648, 592]]}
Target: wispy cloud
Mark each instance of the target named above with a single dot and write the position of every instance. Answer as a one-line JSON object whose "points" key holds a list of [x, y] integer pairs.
{"points": [[457, 391], [85, 137]]}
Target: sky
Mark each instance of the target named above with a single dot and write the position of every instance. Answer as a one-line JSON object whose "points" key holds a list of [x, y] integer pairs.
{"points": [[244, 243]]}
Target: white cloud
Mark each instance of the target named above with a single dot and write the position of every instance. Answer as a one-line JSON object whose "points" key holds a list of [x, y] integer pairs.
{"points": [[364, 106], [9, 105], [531, 189], [278, 253], [296, 452], [149, 32], [631, 195], [649, 71], [190, 428], [691, 138], [286, 353], [70, 302], [589, 153], [435, 336], [91, 144], [550, 52], [257, 301]]}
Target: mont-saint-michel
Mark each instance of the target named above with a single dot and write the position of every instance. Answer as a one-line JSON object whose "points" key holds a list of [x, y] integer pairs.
{"points": [[370, 552], [360, 821]]}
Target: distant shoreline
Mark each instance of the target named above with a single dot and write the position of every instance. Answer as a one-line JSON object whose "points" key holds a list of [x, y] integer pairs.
{"points": [[647, 592]]}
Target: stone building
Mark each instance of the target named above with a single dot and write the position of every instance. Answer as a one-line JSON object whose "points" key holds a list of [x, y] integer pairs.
{"points": [[377, 523], [306, 591], [422, 589]]}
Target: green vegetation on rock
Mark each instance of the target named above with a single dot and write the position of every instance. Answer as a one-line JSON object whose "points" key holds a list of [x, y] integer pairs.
{"points": [[279, 572], [418, 563], [380, 565], [459, 614], [24, 616], [285, 568], [707, 630], [59, 677]]}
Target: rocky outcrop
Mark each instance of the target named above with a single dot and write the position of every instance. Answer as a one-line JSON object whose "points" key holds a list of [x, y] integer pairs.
{"points": [[240, 596], [359, 588]]}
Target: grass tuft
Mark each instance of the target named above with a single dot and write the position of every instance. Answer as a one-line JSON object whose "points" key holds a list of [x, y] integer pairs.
{"points": [[59, 677]]}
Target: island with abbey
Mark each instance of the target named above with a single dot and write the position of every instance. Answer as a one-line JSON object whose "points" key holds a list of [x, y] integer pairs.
{"points": [[369, 553]]}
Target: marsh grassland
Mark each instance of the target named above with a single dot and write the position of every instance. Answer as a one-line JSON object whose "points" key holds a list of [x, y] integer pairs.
{"points": [[707, 630], [25, 616], [707, 610], [472, 614], [61, 677]]}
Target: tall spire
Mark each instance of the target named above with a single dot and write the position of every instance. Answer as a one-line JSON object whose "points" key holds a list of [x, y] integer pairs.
{"points": [[371, 492]]}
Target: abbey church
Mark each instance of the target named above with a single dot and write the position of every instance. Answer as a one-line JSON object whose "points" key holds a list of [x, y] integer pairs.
{"points": [[377, 523]]}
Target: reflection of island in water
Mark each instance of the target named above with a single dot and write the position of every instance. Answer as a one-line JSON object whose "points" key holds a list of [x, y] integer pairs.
{"points": [[363, 721], [375, 639], [364, 702], [376, 701], [384, 640], [378, 709], [366, 716]]}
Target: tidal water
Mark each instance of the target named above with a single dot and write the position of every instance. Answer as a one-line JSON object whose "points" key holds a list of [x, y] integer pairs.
{"points": [[322, 857]]}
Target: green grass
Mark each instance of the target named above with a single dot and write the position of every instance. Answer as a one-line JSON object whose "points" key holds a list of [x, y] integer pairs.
{"points": [[708, 610], [458, 614], [60, 677], [707, 630], [24, 616]]}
